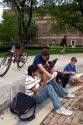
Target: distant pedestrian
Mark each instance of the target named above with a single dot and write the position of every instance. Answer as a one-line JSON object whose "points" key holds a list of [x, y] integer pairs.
{"points": [[63, 44]]}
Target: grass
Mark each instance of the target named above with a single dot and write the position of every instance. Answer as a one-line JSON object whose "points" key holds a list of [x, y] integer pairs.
{"points": [[53, 50], [2, 54], [32, 52], [57, 50]]}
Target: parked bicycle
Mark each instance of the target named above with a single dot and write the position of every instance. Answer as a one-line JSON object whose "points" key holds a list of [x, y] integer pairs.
{"points": [[17, 54]]}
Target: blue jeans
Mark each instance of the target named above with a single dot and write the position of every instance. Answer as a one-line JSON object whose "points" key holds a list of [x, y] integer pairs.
{"points": [[52, 90], [62, 92]]}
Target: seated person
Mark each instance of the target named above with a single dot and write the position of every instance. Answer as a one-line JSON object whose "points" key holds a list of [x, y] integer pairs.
{"points": [[41, 91], [70, 69], [41, 60]]}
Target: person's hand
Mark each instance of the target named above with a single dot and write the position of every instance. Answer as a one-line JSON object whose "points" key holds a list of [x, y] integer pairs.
{"points": [[42, 84], [49, 75], [47, 63], [73, 73], [54, 75]]}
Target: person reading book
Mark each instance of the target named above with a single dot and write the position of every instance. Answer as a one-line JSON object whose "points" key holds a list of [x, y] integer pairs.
{"points": [[71, 70], [41, 91]]}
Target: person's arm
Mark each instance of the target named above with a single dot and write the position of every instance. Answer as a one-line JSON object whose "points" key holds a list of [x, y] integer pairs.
{"points": [[35, 90], [42, 69], [68, 72]]}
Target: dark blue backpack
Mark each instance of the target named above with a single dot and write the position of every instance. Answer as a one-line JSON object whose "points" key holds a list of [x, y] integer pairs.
{"points": [[22, 104]]}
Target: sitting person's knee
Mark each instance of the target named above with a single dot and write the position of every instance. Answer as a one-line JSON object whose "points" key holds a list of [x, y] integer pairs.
{"points": [[75, 79]]}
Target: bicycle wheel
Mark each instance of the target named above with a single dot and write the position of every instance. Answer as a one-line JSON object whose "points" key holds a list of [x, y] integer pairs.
{"points": [[4, 65], [22, 59]]}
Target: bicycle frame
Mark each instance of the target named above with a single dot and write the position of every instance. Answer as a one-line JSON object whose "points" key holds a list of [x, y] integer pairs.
{"points": [[15, 55]]}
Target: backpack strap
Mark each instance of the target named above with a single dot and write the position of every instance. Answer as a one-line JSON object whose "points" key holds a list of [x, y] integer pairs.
{"points": [[29, 118]]}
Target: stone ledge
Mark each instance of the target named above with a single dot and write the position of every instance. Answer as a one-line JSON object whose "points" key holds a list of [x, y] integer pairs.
{"points": [[10, 91]]}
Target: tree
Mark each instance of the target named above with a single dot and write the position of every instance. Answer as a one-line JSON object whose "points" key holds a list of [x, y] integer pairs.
{"points": [[32, 32], [8, 27], [68, 13], [80, 4], [22, 8]]}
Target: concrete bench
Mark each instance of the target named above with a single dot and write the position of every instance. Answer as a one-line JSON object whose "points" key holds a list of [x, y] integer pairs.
{"points": [[8, 91]]}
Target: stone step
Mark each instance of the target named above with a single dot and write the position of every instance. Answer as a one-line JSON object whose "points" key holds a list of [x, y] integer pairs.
{"points": [[8, 118]]}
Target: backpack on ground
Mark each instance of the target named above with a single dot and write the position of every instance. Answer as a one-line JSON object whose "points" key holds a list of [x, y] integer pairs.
{"points": [[62, 78], [22, 104]]}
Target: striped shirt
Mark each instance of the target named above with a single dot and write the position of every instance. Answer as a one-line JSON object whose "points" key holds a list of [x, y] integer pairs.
{"points": [[30, 83]]}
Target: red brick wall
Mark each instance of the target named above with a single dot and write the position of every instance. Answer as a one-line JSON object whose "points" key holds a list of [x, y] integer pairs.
{"points": [[50, 38], [57, 40]]}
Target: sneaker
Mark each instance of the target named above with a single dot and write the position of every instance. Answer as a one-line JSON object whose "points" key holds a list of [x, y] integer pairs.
{"points": [[64, 111], [70, 95], [68, 85]]}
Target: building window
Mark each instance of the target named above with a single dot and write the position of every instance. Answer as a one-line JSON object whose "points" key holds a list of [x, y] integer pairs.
{"points": [[45, 28], [53, 28], [73, 43]]}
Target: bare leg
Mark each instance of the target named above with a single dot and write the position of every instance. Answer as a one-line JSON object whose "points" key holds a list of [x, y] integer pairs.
{"points": [[44, 78], [77, 80]]}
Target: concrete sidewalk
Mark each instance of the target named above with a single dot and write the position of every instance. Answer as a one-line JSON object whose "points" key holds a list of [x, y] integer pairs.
{"points": [[13, 82]]}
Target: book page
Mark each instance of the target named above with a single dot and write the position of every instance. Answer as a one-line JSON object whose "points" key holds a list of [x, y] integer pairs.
{"points": [[79, 75], [53, 76]]}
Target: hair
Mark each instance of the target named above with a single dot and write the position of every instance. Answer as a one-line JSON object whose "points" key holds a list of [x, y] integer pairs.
{"points": [[74, 59], [45, 52], [31, 69]]}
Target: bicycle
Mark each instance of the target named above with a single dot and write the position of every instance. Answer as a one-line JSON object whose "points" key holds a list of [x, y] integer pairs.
{"points": [[17, 55]]}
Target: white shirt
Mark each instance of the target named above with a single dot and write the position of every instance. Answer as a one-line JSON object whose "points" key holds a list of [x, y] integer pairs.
{"points": [[30, 83]]}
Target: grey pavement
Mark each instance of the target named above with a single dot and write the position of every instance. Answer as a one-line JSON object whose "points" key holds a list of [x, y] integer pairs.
{"points": [[13, 81]]}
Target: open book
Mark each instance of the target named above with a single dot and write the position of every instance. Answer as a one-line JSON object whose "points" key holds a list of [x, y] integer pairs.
{"points": [[79, 75], [53, 76]]}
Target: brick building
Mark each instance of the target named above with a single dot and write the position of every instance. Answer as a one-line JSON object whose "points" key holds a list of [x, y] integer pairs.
{"points": [[45, 36]]}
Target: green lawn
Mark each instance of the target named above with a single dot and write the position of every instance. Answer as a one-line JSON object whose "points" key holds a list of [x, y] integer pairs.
{"points": [[2, 54], [57, 50], [53, 50]]}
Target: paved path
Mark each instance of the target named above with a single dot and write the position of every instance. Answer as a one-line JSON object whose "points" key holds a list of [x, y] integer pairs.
{"points": [[75, 104]]}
